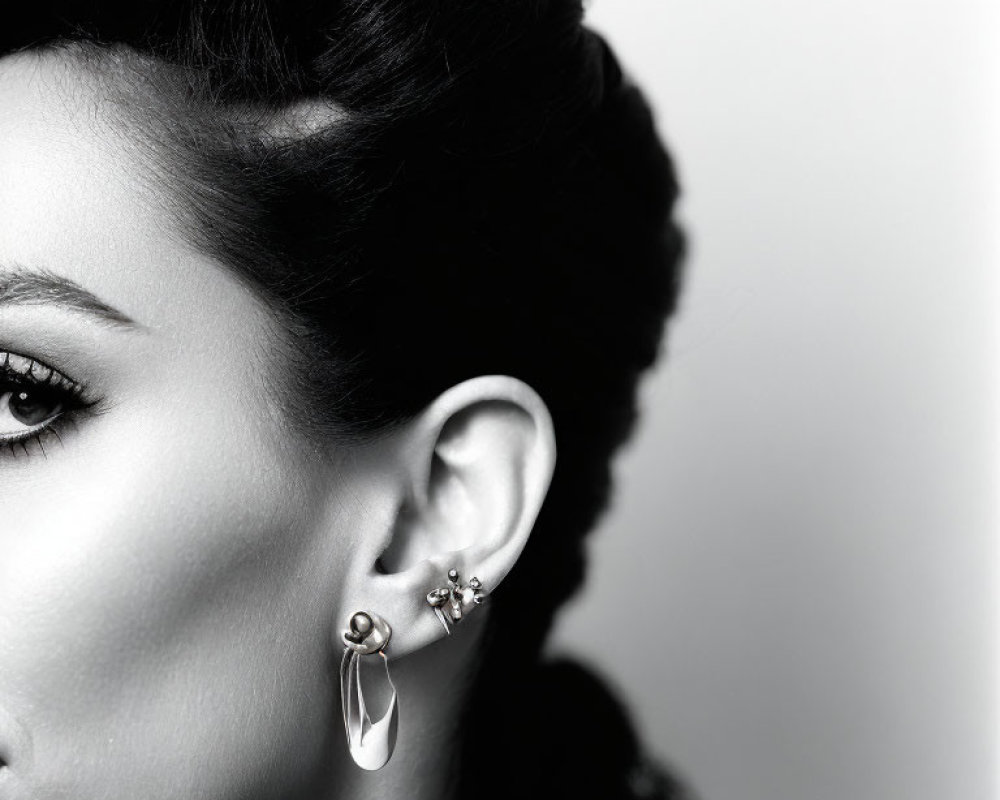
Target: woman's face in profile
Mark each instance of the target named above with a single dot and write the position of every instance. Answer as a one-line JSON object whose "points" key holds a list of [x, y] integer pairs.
{"points": [[161, 520]]}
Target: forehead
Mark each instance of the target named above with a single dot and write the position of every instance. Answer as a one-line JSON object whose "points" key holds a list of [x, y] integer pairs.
{"points": [[54, 143], [79, 197], [59, 126]]}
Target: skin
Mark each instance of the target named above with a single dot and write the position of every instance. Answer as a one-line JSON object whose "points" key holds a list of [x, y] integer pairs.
{"points": [[179, 562]]}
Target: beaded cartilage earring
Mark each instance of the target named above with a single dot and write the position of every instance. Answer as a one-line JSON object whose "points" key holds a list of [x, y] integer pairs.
{"points": [[371, 743], [452, 602]]}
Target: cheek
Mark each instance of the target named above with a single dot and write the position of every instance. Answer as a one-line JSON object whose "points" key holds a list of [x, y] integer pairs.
{"points": [[160, 604]]}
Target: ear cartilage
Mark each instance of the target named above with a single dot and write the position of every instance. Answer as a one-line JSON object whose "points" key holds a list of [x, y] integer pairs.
{"points": [[452, 602]]}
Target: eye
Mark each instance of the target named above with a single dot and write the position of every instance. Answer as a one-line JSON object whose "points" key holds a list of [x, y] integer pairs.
{"points": [[34, 400], [24, 410]]}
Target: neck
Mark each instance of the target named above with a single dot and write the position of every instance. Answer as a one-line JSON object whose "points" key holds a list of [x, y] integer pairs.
{"points": [[433, 690]]}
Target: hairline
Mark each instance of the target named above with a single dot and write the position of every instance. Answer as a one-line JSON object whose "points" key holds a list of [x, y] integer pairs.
{"points": [[138, 92]]}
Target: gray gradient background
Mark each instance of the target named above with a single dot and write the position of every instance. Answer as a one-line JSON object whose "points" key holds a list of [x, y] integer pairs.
{"points": [[795, 588]]}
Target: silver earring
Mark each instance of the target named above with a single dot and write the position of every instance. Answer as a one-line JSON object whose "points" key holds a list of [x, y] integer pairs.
{"points": [[371, 743], [452, 602]]}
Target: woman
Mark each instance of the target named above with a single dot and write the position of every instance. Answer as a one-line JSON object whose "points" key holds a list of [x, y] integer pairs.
{"points": [[297, 303]]}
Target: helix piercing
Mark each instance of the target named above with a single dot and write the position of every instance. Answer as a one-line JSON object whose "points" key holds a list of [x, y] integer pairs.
{"points": [[452, 602], [370, 743]]}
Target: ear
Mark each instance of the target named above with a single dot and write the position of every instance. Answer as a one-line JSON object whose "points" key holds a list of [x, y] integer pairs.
{"points": [[465, 481]]}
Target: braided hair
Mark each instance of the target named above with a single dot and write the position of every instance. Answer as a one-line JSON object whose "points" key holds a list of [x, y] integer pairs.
{"points": [[482, 167]]}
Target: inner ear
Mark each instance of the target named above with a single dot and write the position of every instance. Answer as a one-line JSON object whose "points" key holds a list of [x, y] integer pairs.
{"points": [[469, 490]]}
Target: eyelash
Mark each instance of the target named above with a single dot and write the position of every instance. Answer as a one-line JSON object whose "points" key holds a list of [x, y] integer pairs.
{"points": [[19, 372]]}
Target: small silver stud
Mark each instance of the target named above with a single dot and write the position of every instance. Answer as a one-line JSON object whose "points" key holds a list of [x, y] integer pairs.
{"points": [[361, 624], [438, 597]]}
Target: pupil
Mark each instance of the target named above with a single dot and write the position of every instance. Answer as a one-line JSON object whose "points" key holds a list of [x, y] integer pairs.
{"points": [[31, 410]]}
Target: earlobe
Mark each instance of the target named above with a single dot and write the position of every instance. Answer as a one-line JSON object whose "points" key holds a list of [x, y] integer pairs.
{"points": [[474, 468]]}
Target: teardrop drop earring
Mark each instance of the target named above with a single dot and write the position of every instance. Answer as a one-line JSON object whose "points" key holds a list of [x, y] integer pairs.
{"points": [[370, 743]]}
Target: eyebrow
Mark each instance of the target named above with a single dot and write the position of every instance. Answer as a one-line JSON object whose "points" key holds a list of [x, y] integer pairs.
{"points": [[19, 286]]}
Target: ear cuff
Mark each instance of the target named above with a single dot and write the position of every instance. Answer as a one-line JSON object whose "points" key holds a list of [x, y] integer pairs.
{"points": [[452, 602]]}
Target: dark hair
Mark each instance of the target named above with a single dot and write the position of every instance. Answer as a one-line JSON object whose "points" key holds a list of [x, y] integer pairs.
{"points": [[492, 199]]}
